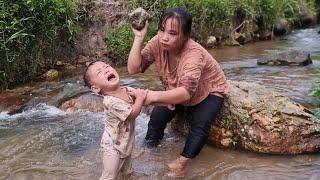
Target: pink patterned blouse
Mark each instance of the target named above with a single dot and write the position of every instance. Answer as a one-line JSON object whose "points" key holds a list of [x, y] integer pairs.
{"points": [[118, 132]]}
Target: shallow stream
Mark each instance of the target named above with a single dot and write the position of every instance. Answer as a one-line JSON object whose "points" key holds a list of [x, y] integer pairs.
{"points": [[43, 142]]}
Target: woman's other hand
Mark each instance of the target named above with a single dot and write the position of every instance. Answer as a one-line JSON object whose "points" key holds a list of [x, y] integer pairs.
{"points": [[171, 106], [139, 94]]}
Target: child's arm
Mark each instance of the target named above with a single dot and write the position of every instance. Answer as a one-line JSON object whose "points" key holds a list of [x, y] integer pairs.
{"points": [[140, 96]]}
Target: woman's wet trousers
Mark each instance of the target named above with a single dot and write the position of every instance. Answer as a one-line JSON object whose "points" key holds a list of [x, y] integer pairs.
{"points": [[203, 114]]}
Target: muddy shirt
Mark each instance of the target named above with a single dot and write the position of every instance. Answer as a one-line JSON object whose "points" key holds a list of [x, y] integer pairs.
{"points": [[118, 132], [196, 70]]}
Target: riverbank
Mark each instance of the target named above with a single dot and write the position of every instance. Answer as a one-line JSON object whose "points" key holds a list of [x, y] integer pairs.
{"points": [[105, 35], [221, 23], [238, 63]]}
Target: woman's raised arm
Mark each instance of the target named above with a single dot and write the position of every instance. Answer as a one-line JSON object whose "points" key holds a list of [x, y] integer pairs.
{"points": [[134, 59]]}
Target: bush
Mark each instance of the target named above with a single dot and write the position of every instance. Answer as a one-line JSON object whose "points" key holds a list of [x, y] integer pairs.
{"points": [[120, 39], [210, 17], [207, 14], [30, 32], [316, 93]]}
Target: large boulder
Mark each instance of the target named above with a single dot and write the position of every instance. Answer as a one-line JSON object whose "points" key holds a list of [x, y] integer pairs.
{"points": [[290, 57], [253, 118], [89, 101], [260, 120]]}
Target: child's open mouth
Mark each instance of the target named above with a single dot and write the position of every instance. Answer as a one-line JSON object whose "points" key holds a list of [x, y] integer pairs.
{"points": [[111, 77]]}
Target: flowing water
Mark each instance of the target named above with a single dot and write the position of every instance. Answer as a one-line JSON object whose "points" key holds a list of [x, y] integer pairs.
{"points": [[43, 142]]}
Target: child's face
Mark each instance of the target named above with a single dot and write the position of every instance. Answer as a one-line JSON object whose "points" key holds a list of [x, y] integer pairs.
{"points": [[103, 77], [170, 35]]}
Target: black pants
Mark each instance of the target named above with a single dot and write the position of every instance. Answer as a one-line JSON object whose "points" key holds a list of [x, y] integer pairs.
{"points": [[203, 114]]}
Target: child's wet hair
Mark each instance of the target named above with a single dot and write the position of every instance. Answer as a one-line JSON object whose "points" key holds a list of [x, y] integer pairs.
{"points": [[183, 17], [86, 78]]}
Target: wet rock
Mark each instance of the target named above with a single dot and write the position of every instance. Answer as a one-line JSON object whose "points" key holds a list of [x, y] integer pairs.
{"points": [[281, 27], [291, 57], [211, 42], [248, 37], [241, 38], [52, 74], [59, 63], [231, 42], [265, 34], [306, 18], [88, 101], [100, 17], [13, 101], [138, 18], [70, 91], [260, 120]]}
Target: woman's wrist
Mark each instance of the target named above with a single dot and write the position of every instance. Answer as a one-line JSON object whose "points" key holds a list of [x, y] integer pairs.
{"points": [[152, 97], [138, 37]]}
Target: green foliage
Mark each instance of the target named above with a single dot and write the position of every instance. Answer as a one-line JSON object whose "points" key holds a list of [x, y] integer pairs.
{"points": [[272, 10], [207, 14], [120, 39], [316, 93], [210, 17], [29, 31], [269, 10], [311, 4], [229, 121]]}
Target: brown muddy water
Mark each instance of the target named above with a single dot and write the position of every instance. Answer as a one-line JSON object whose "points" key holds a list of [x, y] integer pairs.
{"points": [[43, 142]]}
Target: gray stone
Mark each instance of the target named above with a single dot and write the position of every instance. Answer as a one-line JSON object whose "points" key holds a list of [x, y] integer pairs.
{"points": [[258, 119], [291, 57], [138, 18], [281, 27]]}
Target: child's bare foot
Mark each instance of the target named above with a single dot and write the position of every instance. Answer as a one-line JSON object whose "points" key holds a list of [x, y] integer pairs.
{"points": [[176, 167]]}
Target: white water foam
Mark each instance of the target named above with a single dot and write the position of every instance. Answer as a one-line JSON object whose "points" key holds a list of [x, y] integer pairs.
{"points": [[41, 109]]}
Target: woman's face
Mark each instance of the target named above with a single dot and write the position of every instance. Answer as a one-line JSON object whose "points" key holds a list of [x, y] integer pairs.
{"points": [[171, 35]]}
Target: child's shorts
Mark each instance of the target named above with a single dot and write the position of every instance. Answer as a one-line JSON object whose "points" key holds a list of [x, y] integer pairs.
{"points": [[112, 164]]}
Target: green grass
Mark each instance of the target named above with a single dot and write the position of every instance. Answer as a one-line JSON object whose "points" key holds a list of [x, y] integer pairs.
{"points": [[316, 93], [119, 40], [30, 32], [210, 17]]}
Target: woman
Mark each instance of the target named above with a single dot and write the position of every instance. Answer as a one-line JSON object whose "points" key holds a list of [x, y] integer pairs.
{"points": [[192, 77]]}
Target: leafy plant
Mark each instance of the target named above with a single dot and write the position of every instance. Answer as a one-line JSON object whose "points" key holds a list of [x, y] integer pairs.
{"points": [[316, 93], [120, 40], [229, 121], [30, 32], [211, 16]]}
